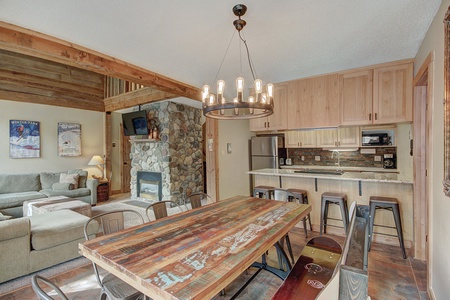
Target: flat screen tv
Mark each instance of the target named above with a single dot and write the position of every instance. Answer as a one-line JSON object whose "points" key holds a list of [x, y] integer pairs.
{"points": [[135, 123]]}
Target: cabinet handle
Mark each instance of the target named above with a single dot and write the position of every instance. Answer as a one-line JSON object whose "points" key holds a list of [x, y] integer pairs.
{"points": [[335, 143], [265, 125], [376, 116], [339, 144], [268, 124], [370, 117]]}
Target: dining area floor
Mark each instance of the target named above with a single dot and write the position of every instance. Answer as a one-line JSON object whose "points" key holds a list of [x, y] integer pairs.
{"points": [[390, 276]]}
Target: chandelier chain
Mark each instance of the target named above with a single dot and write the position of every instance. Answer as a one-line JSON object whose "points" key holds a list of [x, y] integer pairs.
{"points": [[223, 58], [248, 56]]}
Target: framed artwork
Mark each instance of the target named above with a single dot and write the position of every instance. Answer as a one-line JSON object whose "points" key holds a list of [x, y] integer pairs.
{"points": [[69, 139], [24, 139]]}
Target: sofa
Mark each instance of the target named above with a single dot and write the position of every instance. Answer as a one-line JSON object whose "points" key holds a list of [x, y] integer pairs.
{"points": [[15, 189], [32, 243]]}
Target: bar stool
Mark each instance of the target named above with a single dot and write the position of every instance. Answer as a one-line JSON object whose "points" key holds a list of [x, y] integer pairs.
{"points": [[333, 198], [302, 197], [263, 191], [391, 204], [284, 195]]}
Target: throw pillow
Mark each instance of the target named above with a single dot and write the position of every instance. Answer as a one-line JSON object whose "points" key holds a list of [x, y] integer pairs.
{"points": [[69, 178], [48, 179], [83, 177], [3, 217], [60, 186]]}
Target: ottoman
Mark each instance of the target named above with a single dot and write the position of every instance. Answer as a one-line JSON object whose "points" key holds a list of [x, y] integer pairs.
{"points": [[34, 207]]}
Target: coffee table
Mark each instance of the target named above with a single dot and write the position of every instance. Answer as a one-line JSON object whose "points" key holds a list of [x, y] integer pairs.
{"points": [[40, 206]]}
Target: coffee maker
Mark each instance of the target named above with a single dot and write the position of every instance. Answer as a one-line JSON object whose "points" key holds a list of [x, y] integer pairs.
{"points": [[389, 161]]}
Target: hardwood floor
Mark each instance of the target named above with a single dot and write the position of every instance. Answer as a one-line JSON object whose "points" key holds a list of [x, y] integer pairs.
{"points": [[390, 277]]}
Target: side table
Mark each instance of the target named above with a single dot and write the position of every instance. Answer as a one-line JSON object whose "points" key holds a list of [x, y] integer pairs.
{"points": [[103, 191]]}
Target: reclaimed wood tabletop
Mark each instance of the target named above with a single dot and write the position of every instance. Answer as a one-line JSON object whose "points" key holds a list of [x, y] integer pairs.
{"points": [[197, 253]]}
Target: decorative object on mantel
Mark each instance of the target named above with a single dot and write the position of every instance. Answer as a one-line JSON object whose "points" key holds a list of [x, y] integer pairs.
{"points": [[260, 105], [98, 161]]}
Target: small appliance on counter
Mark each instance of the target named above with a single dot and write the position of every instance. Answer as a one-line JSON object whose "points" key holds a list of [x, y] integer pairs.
{"points": [[389, 161], [289, 161]]}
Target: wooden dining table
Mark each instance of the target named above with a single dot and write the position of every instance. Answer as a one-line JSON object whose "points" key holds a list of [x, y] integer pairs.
{"points": [[197, 253]]}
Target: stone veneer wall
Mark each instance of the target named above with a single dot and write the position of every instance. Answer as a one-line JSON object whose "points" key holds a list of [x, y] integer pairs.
{"points": [[347, 159], [178, 154]]}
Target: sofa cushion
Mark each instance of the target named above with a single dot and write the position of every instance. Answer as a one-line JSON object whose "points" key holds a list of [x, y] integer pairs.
{"points": [[17, 199], [16, 183], [59, 186], [58, 227], [82, 192], [48, 179], [14, 228], [69, 178], [83, 176]]}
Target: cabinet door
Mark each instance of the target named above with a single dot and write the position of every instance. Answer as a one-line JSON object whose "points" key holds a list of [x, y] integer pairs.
{"points": [[259, 124], [278, 120], [307, 138], [292, 140], [327, 138], [349, 136], [356, 98], [313, 102], [392, 102]]}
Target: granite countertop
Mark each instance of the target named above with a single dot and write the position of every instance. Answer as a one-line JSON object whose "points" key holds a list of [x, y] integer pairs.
{"points": [[353, 174]]}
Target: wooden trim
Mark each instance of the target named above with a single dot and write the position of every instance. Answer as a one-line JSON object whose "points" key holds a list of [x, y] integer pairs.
{"points": [[36, 44], [108, 148], [134, 98], [420, 79], [212, 157]]}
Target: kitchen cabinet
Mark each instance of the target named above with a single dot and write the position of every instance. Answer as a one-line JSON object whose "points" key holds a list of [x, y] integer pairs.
{"points": [[344, 137], [300, 139], [381, 95], [392, 94], [313, 102], [356, 97], [276, 121]]}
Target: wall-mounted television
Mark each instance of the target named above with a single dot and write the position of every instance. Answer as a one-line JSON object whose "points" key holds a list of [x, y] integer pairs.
{"points": [[135, 123]]}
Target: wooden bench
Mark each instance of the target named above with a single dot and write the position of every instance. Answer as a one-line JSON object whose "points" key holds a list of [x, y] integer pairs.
{"points": [[317, 274]]}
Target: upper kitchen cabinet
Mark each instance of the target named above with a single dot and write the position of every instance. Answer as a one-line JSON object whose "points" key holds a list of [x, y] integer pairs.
{"points": [[300, 139], [313, 102], [356, 97], [381, 95], [338, 137], [392, 94], [276, 121]]}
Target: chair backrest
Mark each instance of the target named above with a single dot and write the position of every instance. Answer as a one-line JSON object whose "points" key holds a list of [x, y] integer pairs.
{"points": [[196, 199], [351, 210], [36, 281], [281, 195], [160, 209]]}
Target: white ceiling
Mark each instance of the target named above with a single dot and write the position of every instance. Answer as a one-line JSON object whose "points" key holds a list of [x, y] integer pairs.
{"points": [[186, 39]]}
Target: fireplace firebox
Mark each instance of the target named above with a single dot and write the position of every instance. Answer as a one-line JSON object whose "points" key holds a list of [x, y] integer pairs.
{"points": [[149, 185]]}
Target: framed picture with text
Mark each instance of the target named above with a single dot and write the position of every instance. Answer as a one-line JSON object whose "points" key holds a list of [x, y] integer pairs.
{"points": [[69, 139], [24, 139]]}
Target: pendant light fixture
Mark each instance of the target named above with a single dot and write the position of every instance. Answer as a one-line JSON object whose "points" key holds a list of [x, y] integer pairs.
{"points": [[258, 105]]}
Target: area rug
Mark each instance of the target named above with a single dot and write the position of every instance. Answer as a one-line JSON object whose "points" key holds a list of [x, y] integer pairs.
{"points": [[138, 203]]}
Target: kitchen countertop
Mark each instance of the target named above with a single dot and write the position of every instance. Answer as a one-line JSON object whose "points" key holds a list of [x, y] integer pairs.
{"points": [[352, 174]]}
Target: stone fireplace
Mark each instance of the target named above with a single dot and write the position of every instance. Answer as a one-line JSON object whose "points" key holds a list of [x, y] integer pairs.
{"points": [[177, 155]]}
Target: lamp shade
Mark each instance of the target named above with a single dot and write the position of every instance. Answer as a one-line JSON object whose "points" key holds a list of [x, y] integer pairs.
{"points": [[96, 160]]}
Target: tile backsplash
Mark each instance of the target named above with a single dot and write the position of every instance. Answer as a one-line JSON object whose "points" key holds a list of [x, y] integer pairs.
{"points": [[347, 158]]}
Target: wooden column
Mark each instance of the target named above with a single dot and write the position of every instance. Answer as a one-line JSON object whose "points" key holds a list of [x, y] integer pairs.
{"points": [[108, 148], [212, 164]]}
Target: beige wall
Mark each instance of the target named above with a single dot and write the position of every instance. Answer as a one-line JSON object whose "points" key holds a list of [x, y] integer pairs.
{"points": [[439, 205], [92, 137], [233, 179]]}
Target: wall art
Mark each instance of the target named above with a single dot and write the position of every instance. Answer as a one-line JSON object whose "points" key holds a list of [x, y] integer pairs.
{"points": [[24, 139], [69, 139]]}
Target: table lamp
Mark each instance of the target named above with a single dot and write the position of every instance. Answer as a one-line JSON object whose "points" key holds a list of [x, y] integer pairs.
{"points": [[98, 161]]}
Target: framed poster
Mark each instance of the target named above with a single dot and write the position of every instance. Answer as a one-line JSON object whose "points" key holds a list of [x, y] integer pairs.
{"points": [[69, 139], [24, 139]]}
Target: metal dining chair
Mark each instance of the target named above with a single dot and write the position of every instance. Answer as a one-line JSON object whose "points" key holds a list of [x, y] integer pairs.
{"points": [[160, 209], [112, 287], [36, 282], [196, 199]]}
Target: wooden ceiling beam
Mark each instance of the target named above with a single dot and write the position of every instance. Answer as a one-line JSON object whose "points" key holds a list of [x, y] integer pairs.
{"points": [[18, 39], [137, 97], [49, 100]]}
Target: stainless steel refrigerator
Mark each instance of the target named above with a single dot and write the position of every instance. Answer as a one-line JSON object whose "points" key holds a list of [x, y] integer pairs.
{"points": [[266, 152]]}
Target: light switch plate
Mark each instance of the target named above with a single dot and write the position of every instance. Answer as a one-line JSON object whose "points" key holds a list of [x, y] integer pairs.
{"points": [[229, 148], [377, 158]]}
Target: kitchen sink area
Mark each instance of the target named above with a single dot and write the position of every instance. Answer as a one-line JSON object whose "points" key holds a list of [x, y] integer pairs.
{"points": [[320, 171]]}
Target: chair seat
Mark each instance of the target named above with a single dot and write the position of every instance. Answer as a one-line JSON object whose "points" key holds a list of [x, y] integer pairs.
{"points": [[333, 196], [118, 289], [383, 200]]}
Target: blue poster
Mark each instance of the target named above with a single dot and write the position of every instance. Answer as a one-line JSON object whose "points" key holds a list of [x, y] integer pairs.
{"points": [[24, 139]]}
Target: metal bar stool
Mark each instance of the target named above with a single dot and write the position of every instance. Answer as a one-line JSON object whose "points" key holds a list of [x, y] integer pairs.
{"points": [[391, 204], [333, 198], [263, 191], [302, 197]]}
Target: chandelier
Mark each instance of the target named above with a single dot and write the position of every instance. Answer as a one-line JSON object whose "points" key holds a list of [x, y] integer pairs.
{"points": [[258, 105]]}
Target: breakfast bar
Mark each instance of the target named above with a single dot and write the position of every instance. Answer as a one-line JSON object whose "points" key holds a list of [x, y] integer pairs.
{"points": [[358, 185]]}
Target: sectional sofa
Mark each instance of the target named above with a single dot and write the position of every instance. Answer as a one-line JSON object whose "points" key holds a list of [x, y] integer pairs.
{"points": [[15, 189]]}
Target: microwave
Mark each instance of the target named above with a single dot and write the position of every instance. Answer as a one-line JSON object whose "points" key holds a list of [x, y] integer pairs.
{"points": [[375, 139]]}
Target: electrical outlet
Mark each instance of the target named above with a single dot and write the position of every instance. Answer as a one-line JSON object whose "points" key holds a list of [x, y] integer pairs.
{"points": [[229, 148], [317, 158], [303, 158], [377, 158]]}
